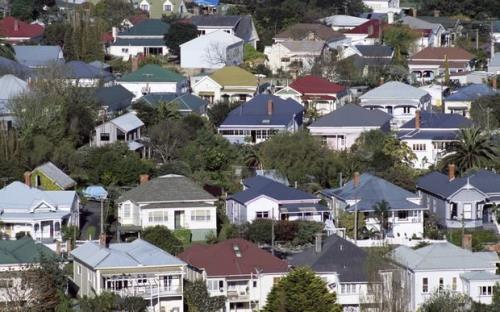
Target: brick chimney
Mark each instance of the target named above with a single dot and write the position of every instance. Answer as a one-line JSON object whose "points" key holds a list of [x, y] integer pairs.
{"points": [[27, 178], [270, 107], [103, 240], [467, 241], [143, 179], [381, 81], [355, 179], [16, 25], [494, 82], [436, 13], [417, 119], [451, 172], [135, 63], [414, 12]]}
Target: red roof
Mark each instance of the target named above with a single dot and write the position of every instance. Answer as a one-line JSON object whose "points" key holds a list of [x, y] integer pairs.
{"points": [[372, 28], [316, 85], [221, 259], [14, 28], [107, 37], [136, 19]]}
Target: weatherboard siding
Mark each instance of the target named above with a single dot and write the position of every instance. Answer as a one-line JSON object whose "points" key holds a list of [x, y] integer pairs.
{"points": [[45, 183]]}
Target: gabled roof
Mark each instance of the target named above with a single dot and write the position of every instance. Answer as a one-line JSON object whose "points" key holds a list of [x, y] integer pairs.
{"points": [[446, 21], [116, 97], [19, 196], [234, 76], [375, 51], [394, 90], [254, 112], [437, 183], [343, 20], [127, 122], [152, 73], [372, 28], [258, 186], [317, 85], [138, 253], [352, 115], [56, 175], [444, 256], [167, 188], [217, 38], [301, 31], [419, 24], [435, 120], [22, 251], [440, 53], [337, 255], [14, 28], [36, 56], [233, 257], [215, 20], [148, 27], [82, 70], [471, 92], [99, 65], [8, 66], [11, 86], [371, 191], [304, 46], [185, 102]]}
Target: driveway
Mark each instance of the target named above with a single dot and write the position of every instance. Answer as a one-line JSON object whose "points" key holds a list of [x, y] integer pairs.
{"points": [[90, 215]]}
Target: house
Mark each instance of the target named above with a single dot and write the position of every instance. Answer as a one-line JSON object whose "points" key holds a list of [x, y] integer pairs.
{"points": [[342, 22], [85, 75], [10, 88], [431, 63], [41, 214], [341, 264], [185, 103], [397, 99], [146, 38], [8, 66], [126, 128], [207, 7], [159, 8], [228, 84], [100, 65], [368, 33], [212, 51], [460, 101], [316, 93], [15, 31], [471, 77], [438, 93], [137, 269], [49, 177], [241, 26], [153, 78], [38, 56], [309, 32], [444, 266], [17, 256], [453, 27], [264, 198], [495, 31], [494, 64], [405, 211], [340, 129], [431, 135], [133, 20], [114, 99], [465, 202], [260, 118], [293, 55], [431, 35], [173, 201], [383, 6], [368, 58], [237, 269]]}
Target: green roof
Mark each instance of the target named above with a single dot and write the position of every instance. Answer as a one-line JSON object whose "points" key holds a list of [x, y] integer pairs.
{"points": [[22, 251], [152, 73], [234, 76], [148, 27]]}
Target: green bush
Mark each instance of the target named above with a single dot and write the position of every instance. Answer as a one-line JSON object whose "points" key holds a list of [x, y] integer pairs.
{"points": [[259, 231], [292, 232], [184, 235], [91, 232], [306, 232], [479, 238]]}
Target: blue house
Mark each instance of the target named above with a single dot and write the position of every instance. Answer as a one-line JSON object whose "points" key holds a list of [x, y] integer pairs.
{"points": [[261, 117], [460, 101]]}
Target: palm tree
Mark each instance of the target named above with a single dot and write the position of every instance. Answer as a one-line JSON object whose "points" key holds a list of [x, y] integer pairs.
{"points": [[382, 213], [474, 150]]}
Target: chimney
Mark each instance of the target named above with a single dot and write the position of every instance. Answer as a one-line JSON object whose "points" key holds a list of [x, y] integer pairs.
{"points": [[381, 81], [27, 178], [270, 107], [451, 172], [114, 33], [494, 82], [417, 119], [16, 25], [414, 12], [103, 240], [436, 13], [318, 242], [390, 17], [135, 63], [356, 179], [143, 178], [467, 241], [69, 245]]}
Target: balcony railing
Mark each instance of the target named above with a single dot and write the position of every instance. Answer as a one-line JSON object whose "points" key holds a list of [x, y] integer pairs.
{"points": [[148, 291], [238, 295]]}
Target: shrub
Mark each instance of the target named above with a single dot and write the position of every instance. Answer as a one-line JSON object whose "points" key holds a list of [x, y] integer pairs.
{"points": [[259, 231], [184, 235], [20, 235], [306, 232], [286, 230], [90, 232]]}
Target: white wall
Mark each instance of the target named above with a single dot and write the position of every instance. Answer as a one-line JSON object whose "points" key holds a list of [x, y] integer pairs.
{"points": [[137, 87], [450, 105], [126, 52], [206, 54], [206, 84], [350, 135]]}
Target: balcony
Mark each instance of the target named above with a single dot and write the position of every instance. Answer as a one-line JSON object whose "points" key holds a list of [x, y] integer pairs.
{"points": [[238, 295], [148, 292]]}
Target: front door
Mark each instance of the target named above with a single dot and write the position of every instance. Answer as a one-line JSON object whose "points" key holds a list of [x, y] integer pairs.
{"points": [[178, 219]]}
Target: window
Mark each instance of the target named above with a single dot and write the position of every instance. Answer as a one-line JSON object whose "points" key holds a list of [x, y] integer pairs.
{"points": [[454, 283], [6, 283], [402, 215], [78, 269], [285, 59], [419, 147], [342, 288], [167, 8], [441, 283], [262, 214], [157, 216], [124, 50], [485, 290], [144, 7], [215, 285], [89, 276], [126, 210], [104, 136], [467, 211], [425, 285], [254, 284], [406, 110], [200, 215]]}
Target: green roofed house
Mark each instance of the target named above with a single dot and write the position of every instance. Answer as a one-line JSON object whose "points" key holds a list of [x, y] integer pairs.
{"points": [[152, 78], [230, 84], [49, 177], [185, 103]]}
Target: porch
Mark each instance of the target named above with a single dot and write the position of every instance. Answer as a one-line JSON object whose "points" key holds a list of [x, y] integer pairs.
{"points": [[147, 286], [308, 212]]}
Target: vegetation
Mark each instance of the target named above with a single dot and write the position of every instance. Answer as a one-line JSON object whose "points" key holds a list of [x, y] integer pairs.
{"points": [[198, 299], [485, 111], [163, 238], [294, 233], [479, 237], [401, 38], [347, 220], [179, 33], [447, 301]]}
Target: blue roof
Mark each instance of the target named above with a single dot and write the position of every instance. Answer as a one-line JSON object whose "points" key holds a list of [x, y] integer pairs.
{"points": [[207, 2], [95, 191], [255, 112], [372, 190], [422, 134], [352, 115], [439, 121], [82, 70], [38, 56], [303, 207], [259, 185], [8, 66], [471, 92]]}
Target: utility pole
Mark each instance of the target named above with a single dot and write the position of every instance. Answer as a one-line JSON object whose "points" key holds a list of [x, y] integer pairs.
{"points": [[102, 216], [477, 38], [272, 231]]}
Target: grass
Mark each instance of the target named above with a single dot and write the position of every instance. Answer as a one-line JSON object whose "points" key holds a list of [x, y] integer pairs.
{"points": [[480, 237]]}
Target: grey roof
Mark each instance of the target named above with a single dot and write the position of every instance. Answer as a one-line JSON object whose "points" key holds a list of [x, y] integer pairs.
{"points": [[371, 191], [423, 134], [19, 196], [168, 188], [99, 65], [439, 121], [115, 98], [56, 175], [139, 42], [8, 66], [375, 50], [480, 276], [352, 115], [138, 253], [127, 122], [10, 87], [495, 60], [343, 20], [417, 23], [337, 255], [215, 20], [361, 62], [444, 256], [148, 27], [437, 183], [304, 46], [185, 102], [38, 56], [395, 90], [82, 70], [446, 21], [471, 92]]}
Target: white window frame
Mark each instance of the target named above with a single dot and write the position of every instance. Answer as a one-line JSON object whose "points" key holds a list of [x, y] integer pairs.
{"points": [[78, 269], [262, 214], [200, 215], [425, 285], [127, 210], [467, 213]]}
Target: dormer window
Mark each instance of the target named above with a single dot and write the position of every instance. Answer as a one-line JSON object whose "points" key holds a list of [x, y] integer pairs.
{"points": [[144, 6], [167, 6]]}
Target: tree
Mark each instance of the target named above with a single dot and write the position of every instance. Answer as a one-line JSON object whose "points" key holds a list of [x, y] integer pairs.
{"points": [[110, 302], [6, 49], [447, 301], [485, 111], [382, 212], [401, 38], [113, 11], [162, 237], [301, 291], [347, 221], [22, 9], [474, 150], [219, 111], [179, 33], [198, 299], [166, 139]]}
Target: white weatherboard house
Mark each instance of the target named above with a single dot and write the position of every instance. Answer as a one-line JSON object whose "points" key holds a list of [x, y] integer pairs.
{"points": [[173, 201], [39, 213], [383, 6], [214, 50], [293, 54], [137, 269], [397, 99], [445, 266], [10, 87]]}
